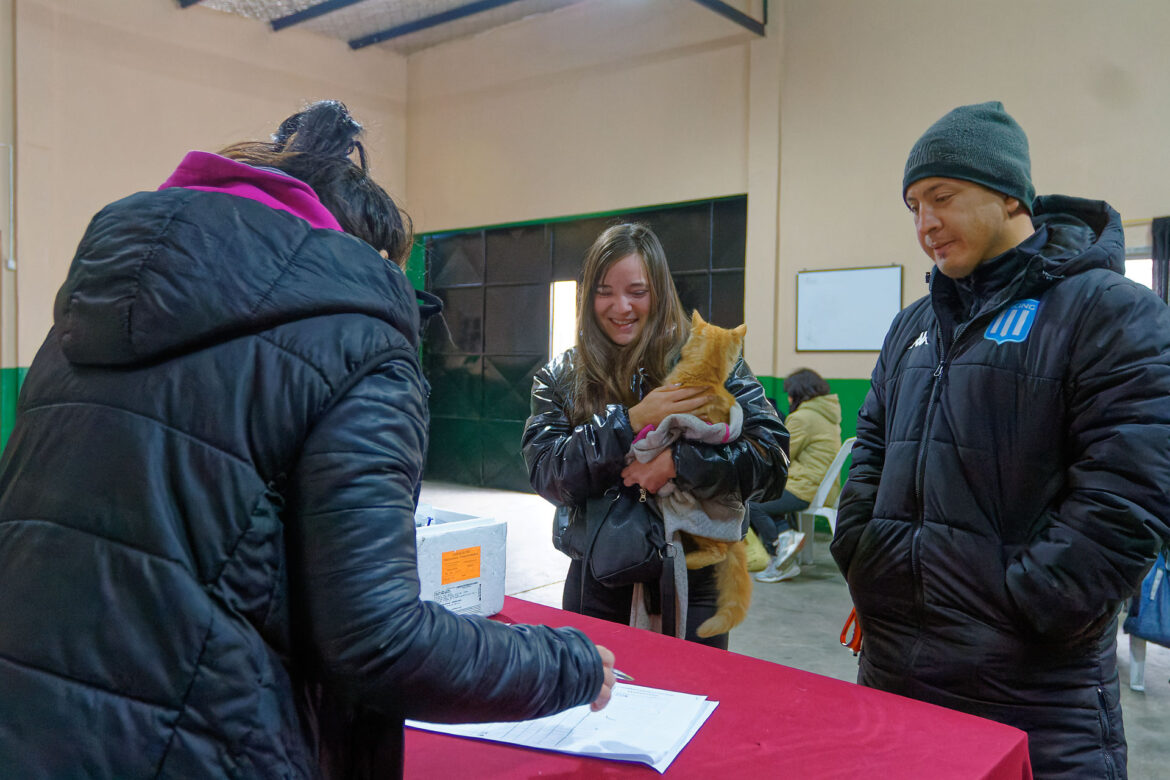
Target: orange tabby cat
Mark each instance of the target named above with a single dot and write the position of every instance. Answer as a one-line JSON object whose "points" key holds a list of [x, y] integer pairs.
{"points": [[706, 360]]}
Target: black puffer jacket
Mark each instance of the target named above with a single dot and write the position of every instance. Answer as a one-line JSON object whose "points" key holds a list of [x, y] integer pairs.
{"points": [[568, 464], [1009, 486], [207, 556]]}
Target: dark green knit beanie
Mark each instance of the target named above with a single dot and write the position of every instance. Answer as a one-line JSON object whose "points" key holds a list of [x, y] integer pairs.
{"points": [[979, 143]]}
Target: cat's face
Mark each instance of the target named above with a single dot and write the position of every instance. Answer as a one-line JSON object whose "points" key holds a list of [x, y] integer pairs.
{"points": [[621, 301], [712, 345]]}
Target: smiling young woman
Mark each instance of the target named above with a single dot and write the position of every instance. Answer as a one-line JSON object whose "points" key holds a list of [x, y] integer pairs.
{"points": [[590, 401], [621, 302]]}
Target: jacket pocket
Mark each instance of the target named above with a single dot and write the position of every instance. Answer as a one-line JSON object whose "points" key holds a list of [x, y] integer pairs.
{"points": [[880, 578], [1109, 733]]}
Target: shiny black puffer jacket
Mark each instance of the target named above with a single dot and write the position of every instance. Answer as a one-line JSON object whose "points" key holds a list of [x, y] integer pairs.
{"points": [[207, 551], [568, 464], [1009, 486]]}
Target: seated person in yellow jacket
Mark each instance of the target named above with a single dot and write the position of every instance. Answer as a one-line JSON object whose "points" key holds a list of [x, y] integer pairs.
{"points": [[814, 428]]}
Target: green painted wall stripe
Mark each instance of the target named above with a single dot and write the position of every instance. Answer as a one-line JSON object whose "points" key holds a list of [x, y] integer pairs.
{"points": [[10, 382], [852, 393], [416, 266], [772, 387]]}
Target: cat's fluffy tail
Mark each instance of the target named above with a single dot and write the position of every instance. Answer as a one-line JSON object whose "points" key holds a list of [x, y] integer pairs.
{"points": [[735, 593]]}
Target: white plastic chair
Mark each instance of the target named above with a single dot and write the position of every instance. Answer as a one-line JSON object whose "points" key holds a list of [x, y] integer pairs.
{"points": [[821, 506]]}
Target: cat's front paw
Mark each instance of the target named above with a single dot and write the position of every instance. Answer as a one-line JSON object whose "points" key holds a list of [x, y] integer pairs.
{"points": [[701, 558]]}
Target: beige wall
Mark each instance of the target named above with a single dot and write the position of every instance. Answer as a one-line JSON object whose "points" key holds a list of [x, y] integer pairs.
{"points": [[601, 106], [1087, 80], [110, 94], [7, 137], [607, 105]]}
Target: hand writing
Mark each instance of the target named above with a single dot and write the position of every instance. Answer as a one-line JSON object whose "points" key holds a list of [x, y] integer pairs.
{"points": [[607, 684]]}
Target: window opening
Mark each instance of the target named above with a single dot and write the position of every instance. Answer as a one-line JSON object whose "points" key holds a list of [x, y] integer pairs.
{"points": [[1140, 270], [563, 319]]}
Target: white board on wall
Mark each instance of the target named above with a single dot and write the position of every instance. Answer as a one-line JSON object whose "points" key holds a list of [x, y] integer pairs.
{"points": [[846, 309]]}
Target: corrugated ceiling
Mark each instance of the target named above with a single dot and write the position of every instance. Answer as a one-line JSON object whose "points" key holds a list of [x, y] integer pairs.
{"points": [[355, 22]]}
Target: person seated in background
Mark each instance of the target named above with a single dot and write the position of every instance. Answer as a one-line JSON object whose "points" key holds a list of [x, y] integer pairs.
{"points": [[814, 428], [207, 545]]}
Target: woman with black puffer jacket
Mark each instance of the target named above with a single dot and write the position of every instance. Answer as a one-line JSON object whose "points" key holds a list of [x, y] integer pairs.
{"points": [[590, 403], [207, 551]]}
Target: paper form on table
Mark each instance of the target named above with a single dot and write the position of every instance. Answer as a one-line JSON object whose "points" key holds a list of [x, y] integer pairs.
{"points": [[647, 725]]}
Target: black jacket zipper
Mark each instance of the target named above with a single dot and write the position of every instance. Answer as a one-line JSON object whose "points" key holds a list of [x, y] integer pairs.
{"points": [[920, 477], [944, 358]]}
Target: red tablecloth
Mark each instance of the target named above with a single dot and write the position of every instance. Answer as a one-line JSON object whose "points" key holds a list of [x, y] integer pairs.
{"points": [[772, 721]]}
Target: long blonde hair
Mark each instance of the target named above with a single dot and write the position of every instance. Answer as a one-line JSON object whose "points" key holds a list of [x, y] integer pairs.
{"points": [[607, 372]]}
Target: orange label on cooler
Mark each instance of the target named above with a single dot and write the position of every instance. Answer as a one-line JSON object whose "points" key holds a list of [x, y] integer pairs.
{"points": [[460, 565]]}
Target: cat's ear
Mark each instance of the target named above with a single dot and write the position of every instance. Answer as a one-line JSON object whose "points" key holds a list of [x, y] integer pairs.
{"points": [[696, 319], [740, 330]]}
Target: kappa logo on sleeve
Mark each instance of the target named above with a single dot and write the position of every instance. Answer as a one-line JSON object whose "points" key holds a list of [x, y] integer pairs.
{"points": [[1013, 323], [918, 342]]}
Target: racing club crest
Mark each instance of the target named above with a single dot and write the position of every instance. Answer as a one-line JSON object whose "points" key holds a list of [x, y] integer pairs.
{"points": [[1013, 323]]}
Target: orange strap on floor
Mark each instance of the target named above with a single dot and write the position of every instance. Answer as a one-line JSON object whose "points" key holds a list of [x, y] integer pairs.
{"points": [[852, 641]]}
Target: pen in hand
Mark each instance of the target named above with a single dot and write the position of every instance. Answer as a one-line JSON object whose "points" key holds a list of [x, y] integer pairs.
{"points": [[617, 675]]}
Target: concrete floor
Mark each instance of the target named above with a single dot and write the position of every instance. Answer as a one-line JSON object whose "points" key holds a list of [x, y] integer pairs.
{"points": [[796, 623]]}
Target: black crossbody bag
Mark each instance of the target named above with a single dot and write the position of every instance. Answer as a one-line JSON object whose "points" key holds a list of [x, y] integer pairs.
{"points": [[627, 545], [627, 539]]}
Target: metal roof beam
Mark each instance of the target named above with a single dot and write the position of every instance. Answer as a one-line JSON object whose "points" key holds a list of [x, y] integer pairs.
{"points": [[312, 12], [427, 22], [737, 16]]}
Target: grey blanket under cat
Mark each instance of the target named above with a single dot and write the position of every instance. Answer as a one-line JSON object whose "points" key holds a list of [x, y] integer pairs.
{"points": [[720, 517]]}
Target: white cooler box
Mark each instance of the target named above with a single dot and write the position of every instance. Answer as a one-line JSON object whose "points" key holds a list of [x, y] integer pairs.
{"points": [[461, 560]]}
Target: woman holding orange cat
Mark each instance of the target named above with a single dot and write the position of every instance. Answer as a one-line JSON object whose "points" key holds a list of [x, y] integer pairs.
{"points": [[590, 403]]}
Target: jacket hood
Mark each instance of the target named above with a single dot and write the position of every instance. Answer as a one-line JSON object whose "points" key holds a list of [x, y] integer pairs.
{"points": [[1082, 234], [162, 273], [213, 173], [827, 406]]}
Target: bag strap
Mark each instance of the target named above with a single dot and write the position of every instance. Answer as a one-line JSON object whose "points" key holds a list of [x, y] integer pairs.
{"points": [[668, 593], [594, 530], [667, 588]]}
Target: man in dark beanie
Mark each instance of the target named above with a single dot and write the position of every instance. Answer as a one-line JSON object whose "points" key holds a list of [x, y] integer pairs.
{"points": [[1010, 483]]}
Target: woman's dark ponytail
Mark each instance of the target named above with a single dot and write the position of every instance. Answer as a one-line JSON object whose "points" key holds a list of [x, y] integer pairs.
{"points": [[325, 128], [316, 146]]}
